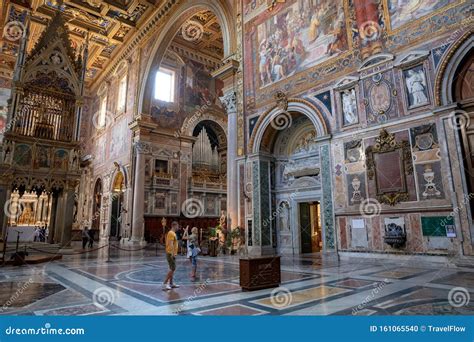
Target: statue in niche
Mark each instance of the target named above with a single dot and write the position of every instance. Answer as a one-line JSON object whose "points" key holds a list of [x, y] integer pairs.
{"points": [[430, 186], [222, 219], [349, 107], [416, 86], [284, 216]]}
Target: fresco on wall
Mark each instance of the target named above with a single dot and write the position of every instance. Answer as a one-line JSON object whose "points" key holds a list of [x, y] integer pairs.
{"points": [[60, 160], [200, 88], [22, 155], [404, 11], [118, 139], [42, 157], [298, 37]]}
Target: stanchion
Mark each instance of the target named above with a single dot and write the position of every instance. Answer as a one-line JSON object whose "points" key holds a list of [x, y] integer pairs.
{"points": [[108, 253]]}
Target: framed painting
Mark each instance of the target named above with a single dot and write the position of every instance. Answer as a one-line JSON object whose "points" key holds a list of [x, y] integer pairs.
{"points": [[388, 162]]}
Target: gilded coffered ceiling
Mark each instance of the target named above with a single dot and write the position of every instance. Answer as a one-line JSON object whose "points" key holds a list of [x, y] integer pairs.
{"points": [[202, 32], [108, 23]]}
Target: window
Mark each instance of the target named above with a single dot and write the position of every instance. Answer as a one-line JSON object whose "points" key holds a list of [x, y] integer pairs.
{"points": [[122, 96], [102, 112], [164, 85]]}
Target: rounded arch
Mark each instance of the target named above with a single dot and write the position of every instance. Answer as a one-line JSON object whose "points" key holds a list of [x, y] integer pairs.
{"points": [[449, 66], [225, 17], [294, 105], [191, 122]]}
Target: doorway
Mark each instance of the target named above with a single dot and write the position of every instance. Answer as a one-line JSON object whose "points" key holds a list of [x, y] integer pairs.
{"points": [[310, 227], [117, 207]]}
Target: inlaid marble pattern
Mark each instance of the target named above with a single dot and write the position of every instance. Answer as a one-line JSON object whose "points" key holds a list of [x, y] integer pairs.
{"points": [[311, 285]]}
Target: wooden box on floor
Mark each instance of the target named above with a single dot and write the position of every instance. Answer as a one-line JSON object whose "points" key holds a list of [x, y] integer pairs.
{"points": [[260, 273]]}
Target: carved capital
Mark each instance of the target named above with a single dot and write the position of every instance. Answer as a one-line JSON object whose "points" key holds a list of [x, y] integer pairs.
{"points": [[229, 101], [141, 147]]}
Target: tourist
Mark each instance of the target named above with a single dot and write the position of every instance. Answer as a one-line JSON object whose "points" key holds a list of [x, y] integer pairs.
{"points": [[85, 237], [171, 244], [37, 234], [91, 237], [179, 238], [193, 249]]}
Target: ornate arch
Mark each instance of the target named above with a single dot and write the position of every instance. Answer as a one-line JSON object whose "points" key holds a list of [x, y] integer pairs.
{"points": [[226, 19], [294, 105], [191, 122], [448, 67]]}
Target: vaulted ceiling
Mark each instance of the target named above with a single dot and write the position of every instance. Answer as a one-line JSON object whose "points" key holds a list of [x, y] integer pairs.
{"points": [[202, 32]]}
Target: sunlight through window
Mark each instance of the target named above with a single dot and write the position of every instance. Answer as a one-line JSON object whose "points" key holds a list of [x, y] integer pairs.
{"points": [[164, 85]]}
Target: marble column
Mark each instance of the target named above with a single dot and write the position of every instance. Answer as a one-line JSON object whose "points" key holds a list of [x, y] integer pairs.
{"points": [[263, 232], [138, 221], [68, 212], [229, 100]]}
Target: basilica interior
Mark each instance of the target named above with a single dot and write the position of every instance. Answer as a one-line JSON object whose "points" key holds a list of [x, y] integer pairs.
{"points": [[322, 149]]}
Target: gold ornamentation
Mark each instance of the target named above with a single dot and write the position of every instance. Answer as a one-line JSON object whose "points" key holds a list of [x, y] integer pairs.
{"points": [[281, 100], [385, 143], [393, 198]]}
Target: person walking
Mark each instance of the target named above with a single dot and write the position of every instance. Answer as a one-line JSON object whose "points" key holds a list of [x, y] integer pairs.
{"points": [[85, 237], [171, 245], [91, 237], [193, 249]]}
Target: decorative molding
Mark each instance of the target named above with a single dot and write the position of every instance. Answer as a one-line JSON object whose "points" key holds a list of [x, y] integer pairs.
{"points": [[281, 100], [374, 60], [412, 58], [229, 101], [346, 82]]}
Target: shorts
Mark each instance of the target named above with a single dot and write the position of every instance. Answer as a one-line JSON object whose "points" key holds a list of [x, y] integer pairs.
{"points": [[194, 261], [171, 261]]}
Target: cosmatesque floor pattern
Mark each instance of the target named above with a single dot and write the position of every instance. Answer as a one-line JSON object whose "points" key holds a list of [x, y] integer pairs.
{"points": [[130, 284]]}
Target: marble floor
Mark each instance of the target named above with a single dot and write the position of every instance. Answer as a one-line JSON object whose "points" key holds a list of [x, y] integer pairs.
{"points": [[130, 284]]}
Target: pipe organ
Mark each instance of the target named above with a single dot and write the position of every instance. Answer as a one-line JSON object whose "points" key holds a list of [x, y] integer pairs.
{"points": [[204, 155]]}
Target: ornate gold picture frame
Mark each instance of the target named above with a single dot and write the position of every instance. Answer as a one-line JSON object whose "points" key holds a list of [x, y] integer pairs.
{"points": [[388, 162]]}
